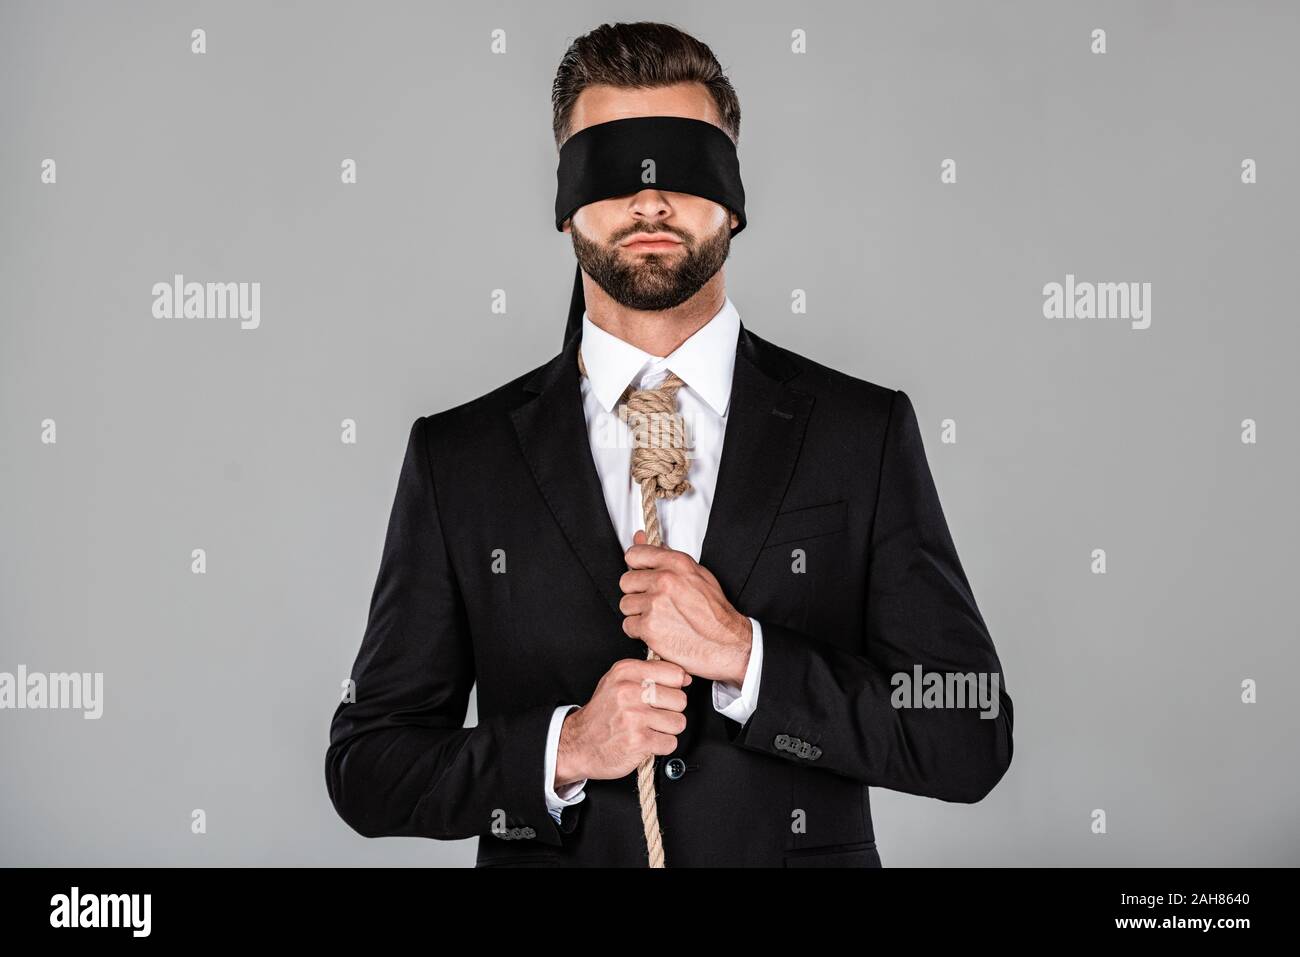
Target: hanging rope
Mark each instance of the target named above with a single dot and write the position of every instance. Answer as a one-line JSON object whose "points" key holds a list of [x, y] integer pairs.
{"points": [[659, 466]]}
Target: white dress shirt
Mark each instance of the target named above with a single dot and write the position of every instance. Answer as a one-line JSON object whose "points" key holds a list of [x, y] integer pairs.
{"points": [[704, 362]]}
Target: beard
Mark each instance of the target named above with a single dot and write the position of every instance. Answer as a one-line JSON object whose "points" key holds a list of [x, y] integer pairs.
{"points": [[652, 282]]}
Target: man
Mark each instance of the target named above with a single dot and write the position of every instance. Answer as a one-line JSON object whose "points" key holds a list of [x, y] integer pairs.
{"points": [[806, 570]]}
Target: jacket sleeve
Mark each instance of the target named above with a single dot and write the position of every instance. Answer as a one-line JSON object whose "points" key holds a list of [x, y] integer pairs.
{"points": [[400, 761], [831, 709]]}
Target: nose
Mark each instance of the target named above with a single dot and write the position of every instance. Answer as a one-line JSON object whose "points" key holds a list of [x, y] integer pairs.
{"points": [[651, 204]]}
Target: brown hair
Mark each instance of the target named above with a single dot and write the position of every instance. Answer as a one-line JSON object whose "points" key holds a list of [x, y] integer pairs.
{"points": [[639, 55]]}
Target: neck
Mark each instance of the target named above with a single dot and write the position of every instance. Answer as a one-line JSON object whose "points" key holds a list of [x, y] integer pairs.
{"points": [[655, 332]]}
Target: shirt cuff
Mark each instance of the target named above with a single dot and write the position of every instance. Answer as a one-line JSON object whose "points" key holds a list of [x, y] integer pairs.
{"points": [[739, 703], [556, 802]]}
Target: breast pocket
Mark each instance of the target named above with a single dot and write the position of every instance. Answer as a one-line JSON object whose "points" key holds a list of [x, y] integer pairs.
{"points": [[810, 521]]}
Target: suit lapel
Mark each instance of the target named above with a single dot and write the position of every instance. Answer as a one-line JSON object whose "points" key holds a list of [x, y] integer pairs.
{"points": [[766, 421], [552, 432]]}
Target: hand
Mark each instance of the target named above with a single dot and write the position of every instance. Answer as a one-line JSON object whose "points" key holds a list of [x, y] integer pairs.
{"points": [[638, 708], [676, 606]]}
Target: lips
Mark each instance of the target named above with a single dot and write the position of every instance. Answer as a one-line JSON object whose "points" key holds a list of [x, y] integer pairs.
{"points": [[651, 242]]}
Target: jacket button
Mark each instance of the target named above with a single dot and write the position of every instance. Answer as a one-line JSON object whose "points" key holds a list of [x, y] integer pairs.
{"points": [[675, 768]]}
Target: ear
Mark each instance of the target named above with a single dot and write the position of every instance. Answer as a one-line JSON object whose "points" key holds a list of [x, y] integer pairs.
{"points": [[735, 220]]}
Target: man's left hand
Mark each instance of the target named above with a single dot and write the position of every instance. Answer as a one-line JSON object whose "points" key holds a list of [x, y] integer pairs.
{"points": [[676, 606]]}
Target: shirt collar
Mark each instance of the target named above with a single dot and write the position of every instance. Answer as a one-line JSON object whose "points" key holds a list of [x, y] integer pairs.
{"points": [[705, 361]]}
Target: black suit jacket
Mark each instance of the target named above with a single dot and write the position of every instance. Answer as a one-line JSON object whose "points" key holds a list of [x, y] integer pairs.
{"points": [[813, 460]]}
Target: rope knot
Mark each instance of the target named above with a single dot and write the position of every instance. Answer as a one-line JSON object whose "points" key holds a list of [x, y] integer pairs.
{"points": [[659, 449]]}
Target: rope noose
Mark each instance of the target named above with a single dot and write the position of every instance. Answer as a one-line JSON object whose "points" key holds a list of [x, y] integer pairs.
{"points": [[659, 465]]}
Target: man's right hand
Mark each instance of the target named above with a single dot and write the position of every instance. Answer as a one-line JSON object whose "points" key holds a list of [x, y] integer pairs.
{"points": [[637, 709]]}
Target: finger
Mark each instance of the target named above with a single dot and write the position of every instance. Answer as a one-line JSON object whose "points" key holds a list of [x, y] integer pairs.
{"points": [[660, 671], [639, 580], [648, 556], [664, 720], [635, 604], [663, 698], [661, 743]]}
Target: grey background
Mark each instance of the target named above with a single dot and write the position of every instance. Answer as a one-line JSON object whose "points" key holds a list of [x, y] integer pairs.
{"points": [[1072, 435]]}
